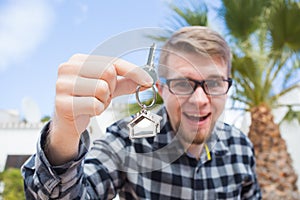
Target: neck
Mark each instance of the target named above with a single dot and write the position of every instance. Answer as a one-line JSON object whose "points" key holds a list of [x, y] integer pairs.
{"points": [[194, 149]]}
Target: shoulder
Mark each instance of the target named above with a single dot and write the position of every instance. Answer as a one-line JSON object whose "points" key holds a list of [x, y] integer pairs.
{"points": [[234, 139], [231, 134]]}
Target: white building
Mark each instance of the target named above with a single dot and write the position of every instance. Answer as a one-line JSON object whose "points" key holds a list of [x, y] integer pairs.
{"points": [[19, 138]]}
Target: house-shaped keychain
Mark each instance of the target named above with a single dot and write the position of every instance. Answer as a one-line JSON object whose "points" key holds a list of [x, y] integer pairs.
{"points": [[145, 124]]}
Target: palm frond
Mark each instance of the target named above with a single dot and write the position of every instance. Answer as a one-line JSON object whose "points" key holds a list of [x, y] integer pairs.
{"points": [[276, 96], [284, 25], [291, 115], [237, 98], [242, 18], [184, 13], [192, 17]]}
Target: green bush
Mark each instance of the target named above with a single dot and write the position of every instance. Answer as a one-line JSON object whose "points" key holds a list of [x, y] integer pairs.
{"points": [[13, 184]]}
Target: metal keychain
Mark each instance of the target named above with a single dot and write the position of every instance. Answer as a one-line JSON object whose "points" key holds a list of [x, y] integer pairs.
{"points": [[145, 123]]}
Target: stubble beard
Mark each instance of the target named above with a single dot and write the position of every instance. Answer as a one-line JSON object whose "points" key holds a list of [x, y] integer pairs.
{"points": [[194, 137]]}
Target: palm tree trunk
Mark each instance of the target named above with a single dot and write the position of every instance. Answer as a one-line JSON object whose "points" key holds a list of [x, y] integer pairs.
{"points": [[275, 172]]}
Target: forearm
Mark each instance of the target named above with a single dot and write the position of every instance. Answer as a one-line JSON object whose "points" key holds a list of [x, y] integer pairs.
{"points": [[43, 180], [70, 181], [61, 146], [42, 184]]}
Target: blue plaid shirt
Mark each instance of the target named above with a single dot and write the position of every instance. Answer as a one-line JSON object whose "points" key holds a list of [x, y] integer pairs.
{"points": [[147, 168]]}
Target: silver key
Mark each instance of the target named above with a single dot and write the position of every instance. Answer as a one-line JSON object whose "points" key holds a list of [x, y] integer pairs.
{"points": [[149, 67], [145, 123]]}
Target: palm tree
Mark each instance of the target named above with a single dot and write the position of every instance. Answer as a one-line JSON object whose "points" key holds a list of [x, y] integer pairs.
{"points": [[264, 37], [266, 47]]}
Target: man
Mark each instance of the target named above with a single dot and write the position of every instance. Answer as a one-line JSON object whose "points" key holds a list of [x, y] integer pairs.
{"points": [[194, 156]]}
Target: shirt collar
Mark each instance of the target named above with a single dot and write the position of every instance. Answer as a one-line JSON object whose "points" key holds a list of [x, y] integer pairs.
{"points": [[215, 142]]}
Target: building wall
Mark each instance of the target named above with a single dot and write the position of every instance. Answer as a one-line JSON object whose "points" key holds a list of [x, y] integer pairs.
{"points": [[17, 139], [21, 138]]}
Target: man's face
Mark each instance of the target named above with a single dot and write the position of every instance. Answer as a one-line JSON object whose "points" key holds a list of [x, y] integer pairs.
{"points": [[193, 116]]}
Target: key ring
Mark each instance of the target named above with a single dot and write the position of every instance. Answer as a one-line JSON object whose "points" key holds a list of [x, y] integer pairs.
{"points": [[144, 106], [144, 123]]}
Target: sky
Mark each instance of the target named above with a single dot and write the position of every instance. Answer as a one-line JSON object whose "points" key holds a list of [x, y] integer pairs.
{"points": [[36, 36]]}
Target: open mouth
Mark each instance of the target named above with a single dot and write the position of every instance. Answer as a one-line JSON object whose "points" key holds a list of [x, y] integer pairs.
{"points": [[196, 117]]}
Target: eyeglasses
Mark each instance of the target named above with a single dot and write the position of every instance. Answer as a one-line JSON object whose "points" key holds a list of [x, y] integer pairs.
{"points": [[184, 86]]}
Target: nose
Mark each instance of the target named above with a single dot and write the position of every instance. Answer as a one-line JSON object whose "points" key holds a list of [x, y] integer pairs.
{"points": [[199, 97]]}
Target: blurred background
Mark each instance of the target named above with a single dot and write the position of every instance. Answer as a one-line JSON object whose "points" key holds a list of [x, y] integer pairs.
{"points": [[37, 35]]}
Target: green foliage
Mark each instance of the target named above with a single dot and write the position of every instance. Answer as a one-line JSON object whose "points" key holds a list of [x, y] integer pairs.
{"points": [[284, 25], [13, 184], [45, 119], [243, 17], [265, 44], [184, 13], [187, 16], [291, 115]]}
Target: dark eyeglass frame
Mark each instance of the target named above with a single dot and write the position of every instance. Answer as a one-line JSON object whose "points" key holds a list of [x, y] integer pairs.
{"points": [[197, 84]]}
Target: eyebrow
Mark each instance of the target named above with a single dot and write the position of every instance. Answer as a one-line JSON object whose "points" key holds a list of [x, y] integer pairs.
{"points": [[216, 76], [209, 77]]}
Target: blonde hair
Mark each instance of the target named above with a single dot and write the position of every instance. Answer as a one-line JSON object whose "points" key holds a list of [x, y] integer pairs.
{"points": [[195, 39]]}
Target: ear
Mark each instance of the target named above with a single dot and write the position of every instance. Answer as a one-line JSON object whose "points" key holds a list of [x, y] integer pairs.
{"points": [[159, 88]]}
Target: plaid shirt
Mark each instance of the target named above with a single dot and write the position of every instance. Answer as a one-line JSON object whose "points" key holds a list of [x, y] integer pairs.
{"points": [[147, 168]]}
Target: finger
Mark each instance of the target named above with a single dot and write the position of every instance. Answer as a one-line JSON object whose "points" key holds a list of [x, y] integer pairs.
{"points": [[71, 107], [87, 69], [108, 74], [108, 68], [126, 86], [78, 86], [94, 67], [87, 106], [70, 71], [133, 72], [92, 88], [103, 69], [86, 57]]}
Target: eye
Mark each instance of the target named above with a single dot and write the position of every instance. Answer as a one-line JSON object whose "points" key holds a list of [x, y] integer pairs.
{"points": [[213, 83], [181, 84]]}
